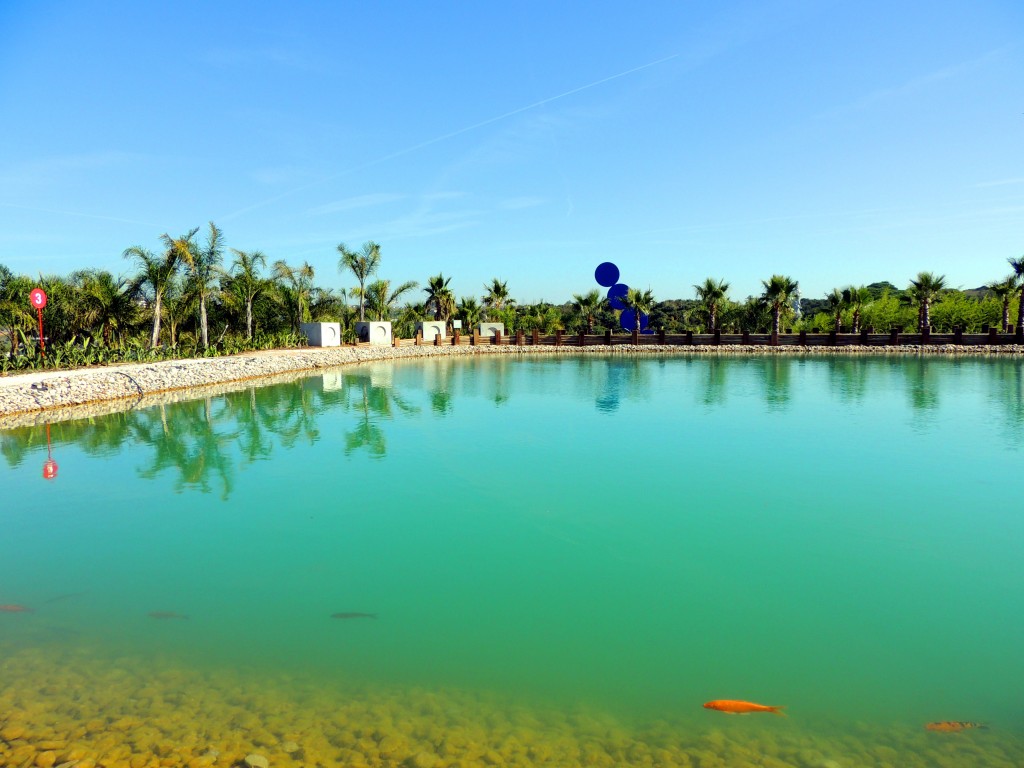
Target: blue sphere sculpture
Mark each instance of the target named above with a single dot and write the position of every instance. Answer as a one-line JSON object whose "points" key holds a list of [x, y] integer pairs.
{"points": [[628, 321], [615, 295], [606, 274]]}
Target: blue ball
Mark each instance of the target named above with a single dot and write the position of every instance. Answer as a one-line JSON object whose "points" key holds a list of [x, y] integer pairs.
{"points": [[615, 294], [606, 274]]}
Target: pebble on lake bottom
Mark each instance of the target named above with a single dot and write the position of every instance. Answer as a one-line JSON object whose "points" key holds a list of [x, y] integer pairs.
{"points": [[72, 709]]}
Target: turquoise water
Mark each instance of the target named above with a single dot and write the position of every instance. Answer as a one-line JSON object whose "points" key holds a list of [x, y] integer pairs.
{"points": [[634, 536]]}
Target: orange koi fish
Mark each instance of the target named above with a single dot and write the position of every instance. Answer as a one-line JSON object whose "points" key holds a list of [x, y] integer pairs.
{"points": [[952, 726], [15, 609], [731, 707]]}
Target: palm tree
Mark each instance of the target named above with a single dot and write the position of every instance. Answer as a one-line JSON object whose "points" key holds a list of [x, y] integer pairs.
{"points": [[543, 317], [1004, 290], [245, 282], [640, 302], [15, 311], [711, 295], [157, 272], [587, 306], [776, 295], [497, 295], [179, 303], [856, 298], [295, 284], [836, 303], [204, 267], [106, 302], [380, 299], [362, 265], [924, 291], [440, 297], [1018, 272], [469, 311]]}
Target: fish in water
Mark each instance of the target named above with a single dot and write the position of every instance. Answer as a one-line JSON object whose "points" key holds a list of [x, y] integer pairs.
{"points": [[353, 615], [731, 707], [952, 726], [165, 615], [15, 609]]}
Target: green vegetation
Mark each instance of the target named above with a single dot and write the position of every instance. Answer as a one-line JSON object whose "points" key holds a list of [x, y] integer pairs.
{"points": [[182, 302]]}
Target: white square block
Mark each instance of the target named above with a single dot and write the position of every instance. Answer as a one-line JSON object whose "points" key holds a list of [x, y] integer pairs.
{"points": [[430, 328], [375, 332], [322, 334], [490, 329]]}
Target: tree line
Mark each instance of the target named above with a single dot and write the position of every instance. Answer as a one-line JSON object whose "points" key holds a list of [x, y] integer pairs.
{"points": [[194, 296]]}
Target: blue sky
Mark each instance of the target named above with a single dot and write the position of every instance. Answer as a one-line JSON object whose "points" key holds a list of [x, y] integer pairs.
{"points": [[835, 142]]}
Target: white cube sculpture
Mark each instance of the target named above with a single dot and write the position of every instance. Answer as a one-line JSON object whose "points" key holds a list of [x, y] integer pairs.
{"points": [[322, 334], [490, 329], [376, 332], [431, 328]]}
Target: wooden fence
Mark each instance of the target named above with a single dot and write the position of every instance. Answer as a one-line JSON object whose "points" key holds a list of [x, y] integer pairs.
{"points": [[787, 339]]}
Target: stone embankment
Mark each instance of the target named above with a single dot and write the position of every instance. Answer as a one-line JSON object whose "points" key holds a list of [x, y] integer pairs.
{"points": [[33, 397]]}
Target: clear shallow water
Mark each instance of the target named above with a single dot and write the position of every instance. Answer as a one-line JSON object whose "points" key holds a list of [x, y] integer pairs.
{"points": [[634, 537]]}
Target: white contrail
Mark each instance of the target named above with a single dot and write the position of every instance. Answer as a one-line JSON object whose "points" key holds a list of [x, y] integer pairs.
{"points": [[452, 134]]}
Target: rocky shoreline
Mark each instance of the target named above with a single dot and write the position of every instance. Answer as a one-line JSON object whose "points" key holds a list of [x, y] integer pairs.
{"points": [[41, 396]]}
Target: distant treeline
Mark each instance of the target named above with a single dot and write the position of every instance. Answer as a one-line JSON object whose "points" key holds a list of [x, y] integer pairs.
{"points": [[195, 297]]}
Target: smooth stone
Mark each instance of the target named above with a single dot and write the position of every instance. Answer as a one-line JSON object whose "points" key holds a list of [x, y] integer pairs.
{"points": [[422, 760], [256, 761]]}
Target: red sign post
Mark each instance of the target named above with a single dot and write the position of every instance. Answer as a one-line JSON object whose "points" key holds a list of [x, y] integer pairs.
{"points": [[38, 299]]}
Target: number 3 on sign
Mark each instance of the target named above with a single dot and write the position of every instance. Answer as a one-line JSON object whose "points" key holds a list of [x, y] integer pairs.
{"points": [[38, 298]]}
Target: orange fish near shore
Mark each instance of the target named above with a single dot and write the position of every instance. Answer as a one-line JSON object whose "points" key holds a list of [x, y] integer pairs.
{"points": [[15, 609], [731, 707], [952, 726]]}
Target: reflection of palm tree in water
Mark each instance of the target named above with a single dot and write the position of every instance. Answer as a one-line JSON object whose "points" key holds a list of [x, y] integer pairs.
{"points": [[624, 378], [921, 384], [1007, 391], [850, 377], [196, 439], [776, 380], [103, 436], [714, 387], [500, 369], [374, 405], [191, 444], [253, 436]]}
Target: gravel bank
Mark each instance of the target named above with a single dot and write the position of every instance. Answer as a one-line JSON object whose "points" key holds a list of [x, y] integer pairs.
{"points": [[33, 397]]}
